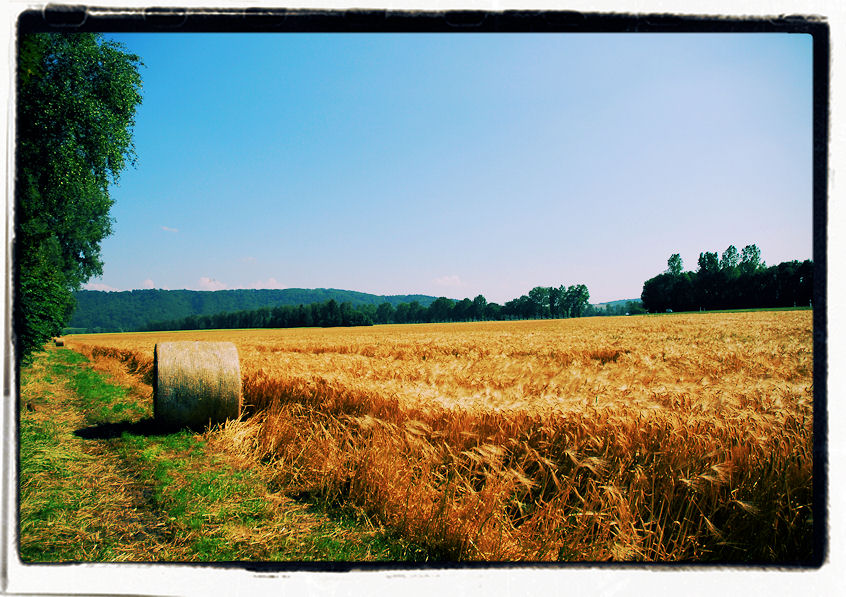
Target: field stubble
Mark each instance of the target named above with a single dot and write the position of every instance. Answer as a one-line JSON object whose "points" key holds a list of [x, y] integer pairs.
{"points": [[671, 438]]}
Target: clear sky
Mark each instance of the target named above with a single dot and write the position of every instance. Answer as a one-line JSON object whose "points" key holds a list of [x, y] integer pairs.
{"points": [[454, 165]]}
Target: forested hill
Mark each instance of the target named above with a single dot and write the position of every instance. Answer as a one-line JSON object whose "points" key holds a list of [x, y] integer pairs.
{"points": [[97, 310]]}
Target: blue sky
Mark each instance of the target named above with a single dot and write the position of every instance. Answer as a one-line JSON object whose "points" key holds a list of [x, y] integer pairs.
{"points": [[454, 165]]}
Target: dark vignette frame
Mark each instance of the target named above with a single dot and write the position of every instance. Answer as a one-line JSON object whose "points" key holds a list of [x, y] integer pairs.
{"points": [[66, 18]]}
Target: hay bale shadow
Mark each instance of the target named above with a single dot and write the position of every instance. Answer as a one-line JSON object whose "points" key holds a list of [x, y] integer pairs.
{"points": [[148, 427], [144, 427]]}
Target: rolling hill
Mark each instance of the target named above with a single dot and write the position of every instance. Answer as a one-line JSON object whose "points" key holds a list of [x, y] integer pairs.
{"points": [[130, 310]]}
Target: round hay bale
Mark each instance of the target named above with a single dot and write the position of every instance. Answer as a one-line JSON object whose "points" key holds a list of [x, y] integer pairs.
{"points": [[59, 341], [195, 383]]}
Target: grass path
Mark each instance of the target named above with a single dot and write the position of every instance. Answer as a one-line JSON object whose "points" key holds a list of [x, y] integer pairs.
{"points": [[99, 482]]}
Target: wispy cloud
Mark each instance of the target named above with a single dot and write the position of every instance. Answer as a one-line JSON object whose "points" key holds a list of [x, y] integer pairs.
{"points": [[211, 284], [269, 283], [248, 259], [100, 286], [148, 283], [448, 281], [169, 229]]}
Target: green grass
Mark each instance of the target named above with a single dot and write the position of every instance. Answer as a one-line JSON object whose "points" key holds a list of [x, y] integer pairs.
{"points": [[736, 310], [55, 498], [100, 401], [197, 493], [144, 494]]}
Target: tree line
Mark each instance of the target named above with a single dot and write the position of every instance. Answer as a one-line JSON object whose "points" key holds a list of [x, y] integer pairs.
{"points": [[541, 302], [734, 280], [76, 102], [99, 311], [326, 314]]}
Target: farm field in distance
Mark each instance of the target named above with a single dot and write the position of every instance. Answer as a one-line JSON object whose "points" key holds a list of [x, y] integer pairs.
{"points": [[683, 437]]}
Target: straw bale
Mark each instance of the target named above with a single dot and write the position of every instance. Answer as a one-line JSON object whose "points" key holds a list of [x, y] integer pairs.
{"points": [[196, 383], [59, 341]]}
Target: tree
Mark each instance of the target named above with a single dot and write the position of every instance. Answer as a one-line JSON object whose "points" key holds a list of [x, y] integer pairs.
{"points": [[493, 311], [416, 312], [48, 305], [348, 315], [479, 305], [683, 292], [330, 314], [77, 96], [462, 310], [539, 295], [731, 282], [577, 297], [384, 313], [657, 293], [305, 316], [708, 263], [730, 259], [556, 295], [401, 313], [441, 309], [750, 260], [707, 281], [674, 265], [519, 308]]}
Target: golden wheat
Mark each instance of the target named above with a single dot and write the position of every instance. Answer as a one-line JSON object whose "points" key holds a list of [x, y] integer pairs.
{"points": [[683, 437]]}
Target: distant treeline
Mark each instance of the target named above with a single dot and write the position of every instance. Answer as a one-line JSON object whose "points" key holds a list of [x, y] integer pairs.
{"points": [[327, 314], [631, 307], [131, 310], [732, 281], [540, 302]]}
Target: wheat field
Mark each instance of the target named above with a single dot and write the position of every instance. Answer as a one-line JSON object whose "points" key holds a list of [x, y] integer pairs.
{"points": [[683, 437]]}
